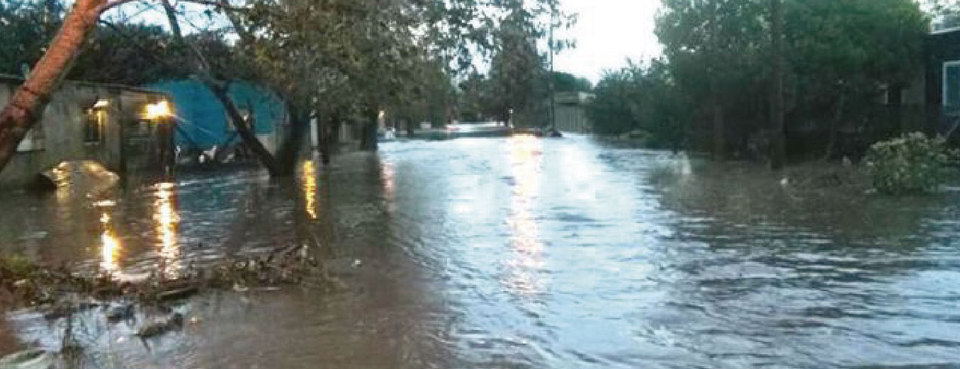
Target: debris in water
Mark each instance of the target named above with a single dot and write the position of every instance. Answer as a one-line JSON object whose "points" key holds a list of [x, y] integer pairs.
{"points": [[27, 359], [175, 322], [118, 312]]}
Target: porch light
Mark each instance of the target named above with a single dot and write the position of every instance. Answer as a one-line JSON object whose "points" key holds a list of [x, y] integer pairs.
{"points": [[158, 110]]}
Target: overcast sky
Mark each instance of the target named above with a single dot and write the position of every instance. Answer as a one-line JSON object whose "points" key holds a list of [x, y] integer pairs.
{"points": [[608, 32]]}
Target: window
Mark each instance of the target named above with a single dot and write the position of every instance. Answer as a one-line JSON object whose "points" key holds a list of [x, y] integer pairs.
{"points": [[951, 85], [96, 119]]}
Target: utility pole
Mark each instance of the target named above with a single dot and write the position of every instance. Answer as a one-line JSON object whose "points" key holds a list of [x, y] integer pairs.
{"points": [[777, 143], [553, 94]]}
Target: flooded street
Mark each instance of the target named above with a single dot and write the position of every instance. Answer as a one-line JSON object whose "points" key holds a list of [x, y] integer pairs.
{"points": [[517, 253]]}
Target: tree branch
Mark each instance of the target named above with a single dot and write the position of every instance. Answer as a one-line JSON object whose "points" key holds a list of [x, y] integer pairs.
{"points": [[113, 4]]}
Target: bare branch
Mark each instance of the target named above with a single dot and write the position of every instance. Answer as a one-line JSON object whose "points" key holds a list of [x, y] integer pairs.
{"points": [[112, 4], [219, 5]]}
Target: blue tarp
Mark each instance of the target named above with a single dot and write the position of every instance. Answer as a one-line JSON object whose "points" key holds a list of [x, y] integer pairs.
{"points": [[203, 120]]}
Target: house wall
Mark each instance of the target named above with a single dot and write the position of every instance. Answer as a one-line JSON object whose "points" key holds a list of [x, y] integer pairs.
{"points": [[59, 136], [203, 120], [940, 48], [572, 118], [571, 112]]}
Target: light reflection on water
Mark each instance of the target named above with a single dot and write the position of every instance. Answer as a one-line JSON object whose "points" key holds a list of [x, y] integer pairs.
{"points": [[528, 253], [527, 259], [309, 184], [167, 220], [109, 246]]}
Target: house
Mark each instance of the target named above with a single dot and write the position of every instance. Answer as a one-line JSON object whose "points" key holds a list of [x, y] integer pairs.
{"points": [[571, 112], [106, 123], [202, 121], [943, 79]]}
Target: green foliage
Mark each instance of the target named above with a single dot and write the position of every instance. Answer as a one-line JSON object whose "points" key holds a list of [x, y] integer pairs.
{"points": [[27, 27], [843, 51], [517, 70], [641, 98], [841, 55], [912, 163], [566, 82], [124, 53], [475, 100], [132, 54], [617, 99]]}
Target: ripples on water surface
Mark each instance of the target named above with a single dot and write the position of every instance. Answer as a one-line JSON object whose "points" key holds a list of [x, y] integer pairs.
{"points": [[522, 253]]}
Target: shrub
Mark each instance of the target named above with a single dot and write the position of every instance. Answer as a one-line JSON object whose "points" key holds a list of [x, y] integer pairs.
{"points": [[912, 163]]}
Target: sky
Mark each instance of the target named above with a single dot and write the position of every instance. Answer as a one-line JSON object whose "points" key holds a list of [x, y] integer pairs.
{"points": [[607, 33]]}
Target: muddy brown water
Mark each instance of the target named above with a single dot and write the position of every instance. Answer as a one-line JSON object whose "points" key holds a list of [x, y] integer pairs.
{"points": [[517, 253]]}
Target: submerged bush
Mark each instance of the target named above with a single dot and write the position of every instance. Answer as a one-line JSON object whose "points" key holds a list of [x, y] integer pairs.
{"points": [[912, 163]]}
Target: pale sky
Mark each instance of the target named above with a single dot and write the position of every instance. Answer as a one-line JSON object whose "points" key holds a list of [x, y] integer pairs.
{"points": [[608, 32]]}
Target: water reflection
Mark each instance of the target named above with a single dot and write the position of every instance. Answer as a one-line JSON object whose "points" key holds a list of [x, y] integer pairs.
{"points": [[527, 258], [499, 256], [388, 173], [309, 183], [109, 246], [165, 215], [388, 183]]}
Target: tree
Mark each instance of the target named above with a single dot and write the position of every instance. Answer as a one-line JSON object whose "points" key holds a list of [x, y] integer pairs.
{"points": [[644, 98], [844, 52], [713, 48], [475, 98], [131, 54], [838, 57], [27, 26], [566, 82], [617, 99], [518, 68]]}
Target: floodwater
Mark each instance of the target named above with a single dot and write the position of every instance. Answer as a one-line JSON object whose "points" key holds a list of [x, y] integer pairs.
{"points": [[518, 253]]}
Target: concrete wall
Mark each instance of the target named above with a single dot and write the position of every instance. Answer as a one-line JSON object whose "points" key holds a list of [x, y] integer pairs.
{"points": [[60, 134]]}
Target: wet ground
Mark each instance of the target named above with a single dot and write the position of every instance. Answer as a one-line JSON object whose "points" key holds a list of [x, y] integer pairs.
{"points": [[518, 253]]}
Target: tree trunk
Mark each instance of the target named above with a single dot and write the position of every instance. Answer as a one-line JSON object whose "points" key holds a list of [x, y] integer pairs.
{"points": [[28, 102], [368, 139], [249, 137], [719, 133], [289, 152], [834, 129], [326, 138], [778, 155], [321, 135]]}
